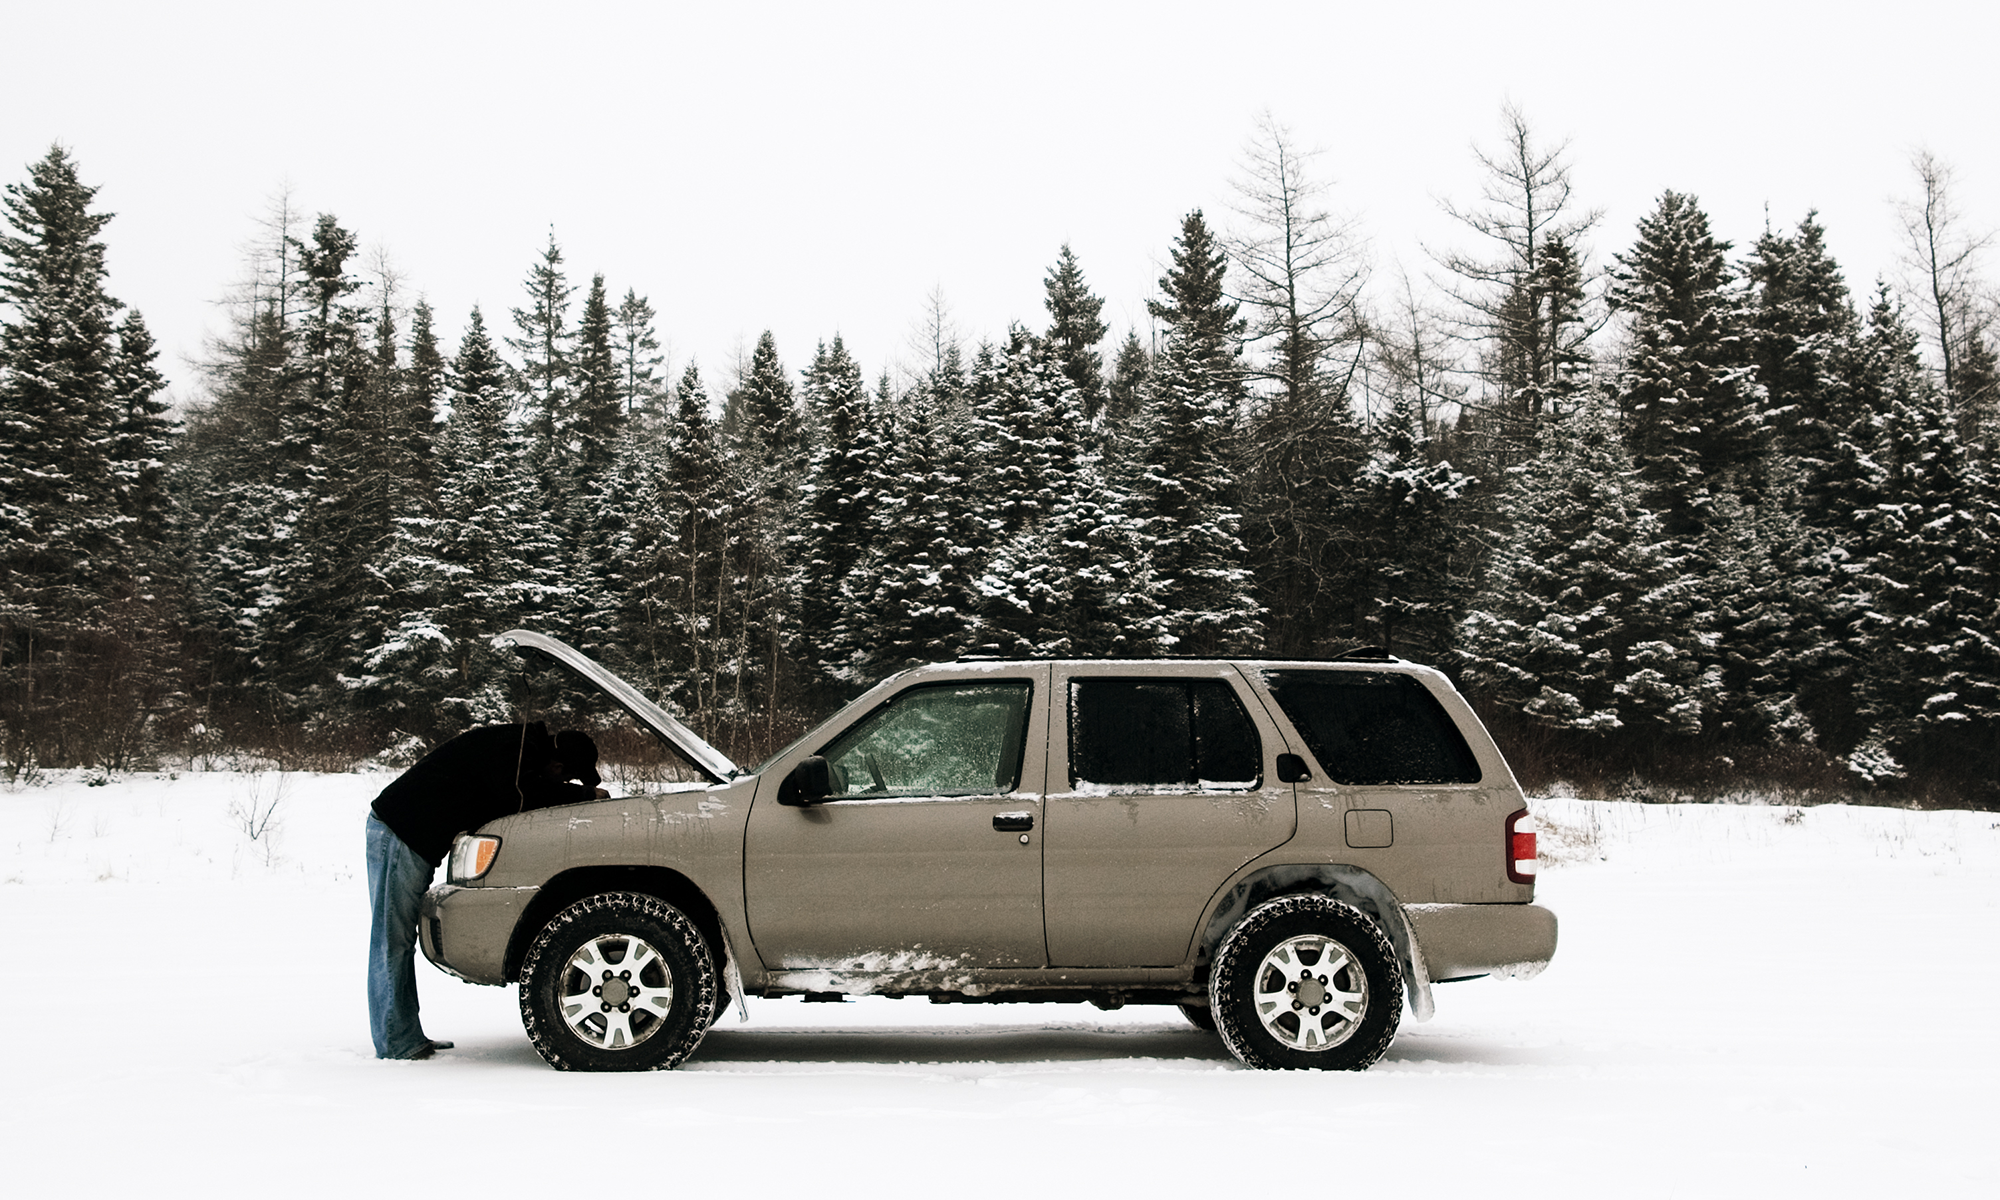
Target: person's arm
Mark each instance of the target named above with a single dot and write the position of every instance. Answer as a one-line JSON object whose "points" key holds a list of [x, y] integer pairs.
{"points": [[547, 793]]}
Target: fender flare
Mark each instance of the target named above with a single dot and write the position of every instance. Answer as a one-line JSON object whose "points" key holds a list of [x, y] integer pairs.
{"points": [[1350, 884]]}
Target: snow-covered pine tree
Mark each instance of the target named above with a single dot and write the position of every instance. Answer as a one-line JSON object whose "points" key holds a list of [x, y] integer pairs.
{"points": [[1027, 481], [1408, 569], [641, 389], [1124, 395], [1587, 622], [1695, 411], [544, 343], [1781, 605], [766, 460], [598, 508], [485, 565], [912, 597], [419, 408], [1183, 460], [1926, 556], [66, 565], [1803, 336], [838, 497], [318, 616], [1075, 329], [690, 586]]}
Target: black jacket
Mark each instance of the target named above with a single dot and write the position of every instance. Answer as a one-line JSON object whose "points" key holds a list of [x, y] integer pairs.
{"points": [[475, 777]]}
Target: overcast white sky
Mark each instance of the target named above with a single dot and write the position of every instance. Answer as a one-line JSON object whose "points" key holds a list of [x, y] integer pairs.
{"points": [[820, 168]]}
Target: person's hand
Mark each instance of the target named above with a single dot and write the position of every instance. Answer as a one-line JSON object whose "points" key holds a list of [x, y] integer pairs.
{"points": [[602, 794]]}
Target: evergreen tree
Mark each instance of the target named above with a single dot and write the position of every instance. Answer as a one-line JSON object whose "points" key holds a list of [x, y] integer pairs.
{"points": [[1126, 392], [912, 599], [1587, 621], [1202, 322], [1803, 338], [1028, 485], [71, 402], [1409, 570], [838, 497], [641, 389], [767, 458], [420, 405], [692, 587], [597, 510], [544, 344], [597, 407], [141, 444], [321, 615], [483, 565], [1926, 555], [1695, 409], [1183, 469], [1075, 329]]}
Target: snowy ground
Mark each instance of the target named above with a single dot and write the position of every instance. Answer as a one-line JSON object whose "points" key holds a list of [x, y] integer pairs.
{"points": [[1746, 1000]]}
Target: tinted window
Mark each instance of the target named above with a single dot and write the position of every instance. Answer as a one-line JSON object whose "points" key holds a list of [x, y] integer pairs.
{"points": [[1161, 732], [1369, 727], [941, 740]]}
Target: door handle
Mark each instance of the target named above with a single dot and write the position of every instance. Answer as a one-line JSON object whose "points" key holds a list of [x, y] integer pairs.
{"points": [[1014, 822]]}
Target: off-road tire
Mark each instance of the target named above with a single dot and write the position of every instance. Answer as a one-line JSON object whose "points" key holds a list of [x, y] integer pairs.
{"points": [[679, 956], [1201, 1016], [1247, 975]]}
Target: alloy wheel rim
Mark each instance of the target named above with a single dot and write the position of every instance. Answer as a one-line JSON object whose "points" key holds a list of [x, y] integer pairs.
{"points": [[616, 991], [1310, 993]]}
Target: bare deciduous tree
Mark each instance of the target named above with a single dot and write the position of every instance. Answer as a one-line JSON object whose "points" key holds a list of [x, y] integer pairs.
{"points": [[1300, 270], [1519, 307], [1940, 262]]}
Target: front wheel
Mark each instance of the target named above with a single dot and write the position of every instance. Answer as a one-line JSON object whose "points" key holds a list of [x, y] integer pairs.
{"points": [[620, 981], [1307, 983]]}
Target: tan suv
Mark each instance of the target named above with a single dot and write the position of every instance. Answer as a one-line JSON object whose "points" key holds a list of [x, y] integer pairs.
{"points": [[1288, 851]]}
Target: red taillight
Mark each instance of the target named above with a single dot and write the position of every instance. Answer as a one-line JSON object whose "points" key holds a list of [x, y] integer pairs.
{"points": [[1520, 847]]}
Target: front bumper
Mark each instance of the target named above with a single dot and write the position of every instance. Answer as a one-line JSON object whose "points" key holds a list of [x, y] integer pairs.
{"points": [[465, 930], [1463, 941]]}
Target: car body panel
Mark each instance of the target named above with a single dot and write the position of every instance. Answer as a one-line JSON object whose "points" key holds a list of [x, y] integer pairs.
{"points": [[1117, 893], [929, 881], [1129, 868]]}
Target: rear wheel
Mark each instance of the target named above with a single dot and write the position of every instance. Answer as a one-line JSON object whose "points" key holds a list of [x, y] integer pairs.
{"points": [[1307, 982], [620, 981]]}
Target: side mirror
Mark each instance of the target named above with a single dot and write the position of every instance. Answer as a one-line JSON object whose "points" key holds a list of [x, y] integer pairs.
{"points": [[809, 783], [1293, 769]]}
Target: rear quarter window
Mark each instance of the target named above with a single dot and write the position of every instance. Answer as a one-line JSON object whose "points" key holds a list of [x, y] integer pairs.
{"points": [[1374, 727]]}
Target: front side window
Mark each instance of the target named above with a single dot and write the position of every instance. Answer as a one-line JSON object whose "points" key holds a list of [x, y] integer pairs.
{"points": [[1374, 727], [951, 739], [1161, 733]]}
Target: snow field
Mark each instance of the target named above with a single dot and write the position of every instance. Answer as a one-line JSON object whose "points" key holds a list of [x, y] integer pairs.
{"points": [[1747, 1000]]}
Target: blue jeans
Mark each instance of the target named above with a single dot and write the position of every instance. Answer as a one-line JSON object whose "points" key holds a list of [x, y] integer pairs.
{"points": [[397, 880]]}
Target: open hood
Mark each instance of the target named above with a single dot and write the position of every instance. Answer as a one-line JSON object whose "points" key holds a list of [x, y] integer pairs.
{"points": [[699, 754]]}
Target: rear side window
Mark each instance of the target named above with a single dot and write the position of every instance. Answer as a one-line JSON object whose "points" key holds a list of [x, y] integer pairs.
{"points": [[1370, 727], [1161, 733]]}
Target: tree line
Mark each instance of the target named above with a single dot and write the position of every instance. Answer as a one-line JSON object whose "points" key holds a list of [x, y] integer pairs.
{"points": [[1691, 515]]}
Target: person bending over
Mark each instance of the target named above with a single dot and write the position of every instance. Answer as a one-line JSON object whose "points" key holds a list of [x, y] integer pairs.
{"points": [[476, 777]]}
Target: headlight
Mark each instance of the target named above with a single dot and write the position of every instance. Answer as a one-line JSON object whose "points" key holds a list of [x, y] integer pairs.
{"points": [[472, 857]]}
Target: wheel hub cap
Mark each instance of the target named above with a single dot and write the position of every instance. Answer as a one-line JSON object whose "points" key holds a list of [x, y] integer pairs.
{"points": [[1310, 993], [616, 992]]}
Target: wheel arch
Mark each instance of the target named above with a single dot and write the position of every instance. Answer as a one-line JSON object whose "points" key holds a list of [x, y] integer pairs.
{"points": [[1341, 881], [572, 885]]}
